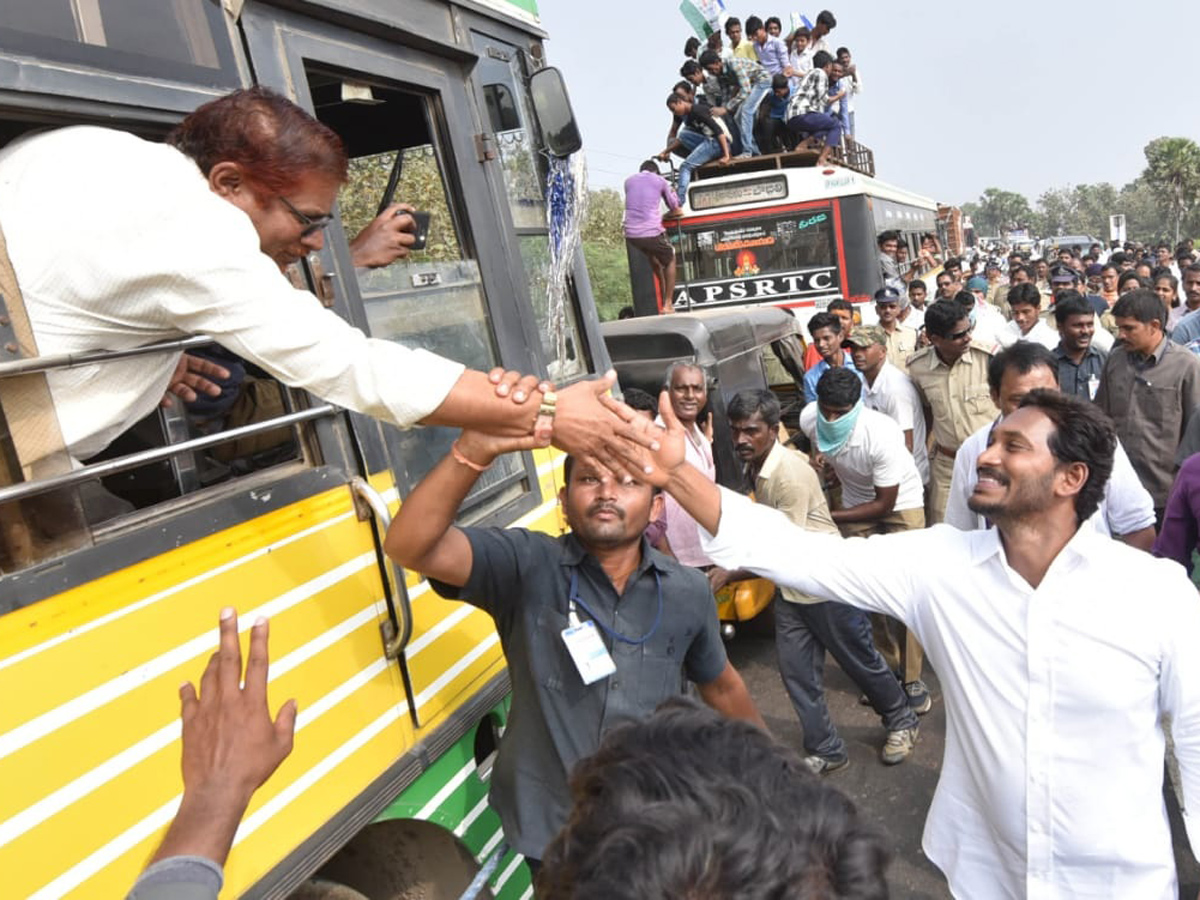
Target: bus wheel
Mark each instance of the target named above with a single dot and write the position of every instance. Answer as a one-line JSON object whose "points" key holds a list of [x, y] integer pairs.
{"points": [[403, 859]]}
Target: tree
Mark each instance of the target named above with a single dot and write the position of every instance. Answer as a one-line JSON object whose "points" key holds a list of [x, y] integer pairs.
{"points": [[604, 251], [1173, 174], [1000, 211]]}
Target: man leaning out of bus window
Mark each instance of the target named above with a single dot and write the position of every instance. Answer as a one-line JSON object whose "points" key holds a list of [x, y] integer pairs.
{"points": [[195, 234], [597, 627]]}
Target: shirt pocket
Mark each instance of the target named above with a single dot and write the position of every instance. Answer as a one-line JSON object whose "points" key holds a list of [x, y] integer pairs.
{"points": [[1159, 407], [555, 671], [978, 400], [660, 676]]}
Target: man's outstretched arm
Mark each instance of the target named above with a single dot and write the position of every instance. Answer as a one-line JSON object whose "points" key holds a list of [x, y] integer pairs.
{"points": [[727, 694]]}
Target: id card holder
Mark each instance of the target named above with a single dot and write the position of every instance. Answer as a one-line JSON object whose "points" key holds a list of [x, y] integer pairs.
{"points": [[588, 652]]}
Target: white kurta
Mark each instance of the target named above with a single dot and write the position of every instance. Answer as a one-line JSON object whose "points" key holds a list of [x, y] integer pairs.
{"points": [[118, 242]]}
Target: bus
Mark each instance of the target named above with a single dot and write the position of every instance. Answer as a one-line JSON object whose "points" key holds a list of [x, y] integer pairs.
{"points": [[777, 230], [103, 613]]}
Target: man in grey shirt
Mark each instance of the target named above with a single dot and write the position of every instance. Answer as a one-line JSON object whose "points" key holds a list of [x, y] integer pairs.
{"points": [[597, 627]]}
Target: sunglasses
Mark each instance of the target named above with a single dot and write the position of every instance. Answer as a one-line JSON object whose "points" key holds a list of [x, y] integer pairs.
{"points": [[959, 335], [311, 224]]}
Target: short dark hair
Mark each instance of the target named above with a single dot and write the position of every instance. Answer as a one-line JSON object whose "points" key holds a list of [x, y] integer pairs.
{"points": [[676, 97], [746, 403], [1130, 275], [840, 303], [952, 262], [690, 67], [732, 22], [1194, 268], [1117, 258], [688, 803], [1070, 303], [942, 316], [649, 166], [692, 45], [826, 320], [753, 23], [1025, 294], [1027, 269], [685, 85], [918, 283], [1082, 433], [966, 300], [887, 236], [774, 19], [275, 142], [839, 386], [826, 18], [846, 50], [636, 398], [778, 81], [1142, 305], [708, 57], [1022, 357], [821, 59]]}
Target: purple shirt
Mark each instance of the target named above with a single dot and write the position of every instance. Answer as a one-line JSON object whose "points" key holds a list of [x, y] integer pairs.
{"points": [[1180, 533], [772, 55], [643, 215]]}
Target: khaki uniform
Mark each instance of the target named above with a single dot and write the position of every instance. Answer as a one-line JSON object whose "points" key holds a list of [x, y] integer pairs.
{"points": [[997, 295], [901, 344], [960, 403]]}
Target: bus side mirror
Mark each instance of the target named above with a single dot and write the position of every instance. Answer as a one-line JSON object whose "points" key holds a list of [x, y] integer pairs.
{"points": [[552, 107]]}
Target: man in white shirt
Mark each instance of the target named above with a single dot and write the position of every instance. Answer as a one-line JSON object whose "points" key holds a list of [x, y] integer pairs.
{"points": [[881, 494], [1126, 510], [686, 387], [118, 242], [1059, 652], [1025, 302]]}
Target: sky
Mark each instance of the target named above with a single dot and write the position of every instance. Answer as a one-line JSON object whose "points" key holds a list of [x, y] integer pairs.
{"points": [[957, 96]]}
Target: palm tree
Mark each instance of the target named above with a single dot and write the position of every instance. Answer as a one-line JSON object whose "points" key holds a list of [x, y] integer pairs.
{"points": [[1173, 172]]}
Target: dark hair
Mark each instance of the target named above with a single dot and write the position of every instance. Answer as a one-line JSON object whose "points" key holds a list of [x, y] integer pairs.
{"points": [[1194, 268], [821, 59], [840, 303], [676, 97], [846, 50], [1110, 265], [708, 57], [1130, 275], [942, 315], [1070, 303], [1027, 269], [687, 803], [649, 166], [774, 19], [1142, 305], [625, 312], [1165, 274], [1025, 294], [1117, 258], [887, 236], [1082, 433], [692, 45], [714, 41], [952, 262], [826, 18], [753, 23], [746, 403], [839, 386], [685, 85], [966, 300], [690, 67], [778, 81], [1022, 358], [825, 320], [276, 143], [731, 22], [917, 282], [636, 398]]}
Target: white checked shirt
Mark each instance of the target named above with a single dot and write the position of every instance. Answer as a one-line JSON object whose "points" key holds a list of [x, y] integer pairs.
{"points": [[811, 96], [1051, 784]]}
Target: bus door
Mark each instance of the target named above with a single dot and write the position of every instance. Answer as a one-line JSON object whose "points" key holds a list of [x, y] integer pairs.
{"points": [[408, 126]]}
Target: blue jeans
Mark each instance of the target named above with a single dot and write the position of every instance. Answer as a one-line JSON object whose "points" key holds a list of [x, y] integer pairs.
{"points": [[746, 116], [803, 632], [688, 140], [814, 124], [843, 114], [707, 150]]}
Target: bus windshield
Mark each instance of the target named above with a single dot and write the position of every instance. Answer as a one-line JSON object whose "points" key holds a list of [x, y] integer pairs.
{"points": [[773, 257]]}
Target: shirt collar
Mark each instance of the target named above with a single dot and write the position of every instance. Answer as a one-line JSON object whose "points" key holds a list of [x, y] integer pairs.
{"points": [[1061, 354], [574, 554], [771, 463], [986, 543], [1154, 358]]}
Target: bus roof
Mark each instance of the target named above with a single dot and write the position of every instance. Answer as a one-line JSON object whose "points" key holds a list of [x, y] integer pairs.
{"points": [[793, 185]]}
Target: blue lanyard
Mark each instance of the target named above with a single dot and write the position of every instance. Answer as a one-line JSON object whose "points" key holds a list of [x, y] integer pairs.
{"points": [[573, 597]]}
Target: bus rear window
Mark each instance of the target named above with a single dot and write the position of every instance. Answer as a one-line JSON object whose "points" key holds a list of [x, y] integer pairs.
{"points": [[778, 256]]}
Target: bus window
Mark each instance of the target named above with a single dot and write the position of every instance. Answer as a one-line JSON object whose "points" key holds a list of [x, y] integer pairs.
{"points": [[760, 258], [508, 109], [433, 298], [177, 39]]}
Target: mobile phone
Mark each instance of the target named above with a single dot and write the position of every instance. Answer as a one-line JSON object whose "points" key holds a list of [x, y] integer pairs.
{"points": [[420, 231]]}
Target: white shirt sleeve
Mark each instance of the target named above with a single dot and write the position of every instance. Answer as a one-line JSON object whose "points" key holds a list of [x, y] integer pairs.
{"points": [[825, 565], [1129, 505], [890, 459], [962, 483], [1179, 691]]}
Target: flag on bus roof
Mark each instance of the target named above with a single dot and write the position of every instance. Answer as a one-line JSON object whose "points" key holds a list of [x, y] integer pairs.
{"points": [[705, 16]]}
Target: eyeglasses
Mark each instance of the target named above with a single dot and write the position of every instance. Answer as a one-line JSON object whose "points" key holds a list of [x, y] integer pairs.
{"points": [[312, 224], [959, 335]]}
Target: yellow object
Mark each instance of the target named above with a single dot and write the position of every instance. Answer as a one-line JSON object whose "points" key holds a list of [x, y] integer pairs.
{"points": [[740, 601]]}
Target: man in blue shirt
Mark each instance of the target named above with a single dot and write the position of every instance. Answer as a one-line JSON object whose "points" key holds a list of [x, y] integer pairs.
{"points": [[826, 331]]}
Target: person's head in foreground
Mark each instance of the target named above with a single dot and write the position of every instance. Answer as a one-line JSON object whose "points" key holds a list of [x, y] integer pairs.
{"points": [[690, 805]]}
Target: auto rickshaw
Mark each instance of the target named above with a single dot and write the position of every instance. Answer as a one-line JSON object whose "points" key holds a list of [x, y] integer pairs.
{"points": [[738, 350]]}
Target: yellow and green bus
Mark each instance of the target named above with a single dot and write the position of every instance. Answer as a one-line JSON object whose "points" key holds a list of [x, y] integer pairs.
{"points": [[402, 695]]}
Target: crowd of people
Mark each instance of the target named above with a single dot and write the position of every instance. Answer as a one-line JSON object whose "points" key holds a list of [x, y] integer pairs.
{"points": [[762, 92]]}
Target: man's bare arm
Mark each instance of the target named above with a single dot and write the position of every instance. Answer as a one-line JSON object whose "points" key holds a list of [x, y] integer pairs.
{"points": [[1142, 539], [727, 694], [882, 505]]}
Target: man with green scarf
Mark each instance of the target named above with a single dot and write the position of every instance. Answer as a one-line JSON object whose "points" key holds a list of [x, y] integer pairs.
{"points": [[881, 493]]}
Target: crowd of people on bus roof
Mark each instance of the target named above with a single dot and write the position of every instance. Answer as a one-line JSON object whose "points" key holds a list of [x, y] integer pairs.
{"points": [[1022, 606], [762, 92]]}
